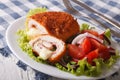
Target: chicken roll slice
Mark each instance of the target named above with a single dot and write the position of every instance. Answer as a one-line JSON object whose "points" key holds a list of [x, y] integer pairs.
{"points": [[48, 47], [59, 24]]}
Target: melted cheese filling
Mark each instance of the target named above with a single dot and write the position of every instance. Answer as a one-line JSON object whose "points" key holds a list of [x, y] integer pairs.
{"points": [[43, 50], [33, 32]]}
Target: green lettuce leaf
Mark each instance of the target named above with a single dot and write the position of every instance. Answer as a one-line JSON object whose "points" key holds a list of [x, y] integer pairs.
{"points": [[107, 33], [85, 26], [35, 11], [23, 41]]}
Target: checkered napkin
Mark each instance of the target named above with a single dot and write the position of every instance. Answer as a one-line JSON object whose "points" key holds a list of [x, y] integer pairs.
{"points": [[10, 10]]}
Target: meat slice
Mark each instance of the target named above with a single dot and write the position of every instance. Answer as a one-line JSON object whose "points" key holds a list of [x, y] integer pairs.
{"points": [[59, 24], [48, 47]]}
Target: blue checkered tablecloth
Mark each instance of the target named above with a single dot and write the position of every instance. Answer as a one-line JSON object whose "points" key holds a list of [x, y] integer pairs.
{"points": [[10, 10]]}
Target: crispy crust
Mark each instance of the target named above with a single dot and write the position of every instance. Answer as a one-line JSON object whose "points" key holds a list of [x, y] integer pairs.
{"points": [[58, 57], [59, 24]]}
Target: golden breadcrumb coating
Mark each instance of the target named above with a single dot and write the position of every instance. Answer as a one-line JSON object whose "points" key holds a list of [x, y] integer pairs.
{"points": [[59, 24]]}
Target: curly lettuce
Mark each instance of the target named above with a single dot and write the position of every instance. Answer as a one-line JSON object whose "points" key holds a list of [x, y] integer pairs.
{"points": [[35, 11], [84, 68], [85, 26], [23, 39]]}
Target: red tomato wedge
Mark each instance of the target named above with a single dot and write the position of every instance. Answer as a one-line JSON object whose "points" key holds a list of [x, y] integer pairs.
{"points": [[86, 45], [75, 51], [111, 51], [104, 54], [96, 44], [103, 50], [95, 33], [90, 48], [92, 55], [101, 36], [92, 32]]}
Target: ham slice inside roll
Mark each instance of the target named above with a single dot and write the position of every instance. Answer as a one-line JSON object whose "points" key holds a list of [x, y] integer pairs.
{"points": [[48, 47]]}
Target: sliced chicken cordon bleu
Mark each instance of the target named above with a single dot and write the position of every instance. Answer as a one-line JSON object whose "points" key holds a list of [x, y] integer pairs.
{"points": [[48, 32], [59, 24], [48, 47]]}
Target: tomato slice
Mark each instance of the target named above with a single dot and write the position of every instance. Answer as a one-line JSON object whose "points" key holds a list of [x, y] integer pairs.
{"points": [[96, 44], [101, 36], [92, 55], [75, 52], [92, 32], [95, 33], [86, 45], [103, 50], [104, 54]]}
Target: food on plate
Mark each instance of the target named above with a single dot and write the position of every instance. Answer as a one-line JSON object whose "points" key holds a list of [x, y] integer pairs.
{"points": [[89, 46], [59, 24], [48, 47], [51, 28], [89, 52], [46, 37]]}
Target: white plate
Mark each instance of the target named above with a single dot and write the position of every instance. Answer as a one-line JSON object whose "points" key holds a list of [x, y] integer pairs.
{"points": [[11, 39]]}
